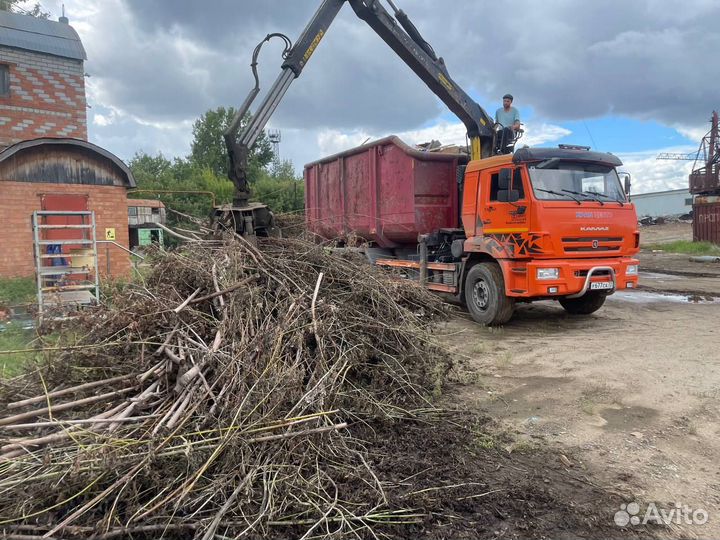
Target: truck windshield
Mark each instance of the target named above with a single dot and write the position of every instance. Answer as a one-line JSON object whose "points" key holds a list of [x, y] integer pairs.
{"points": [[564, 180]]}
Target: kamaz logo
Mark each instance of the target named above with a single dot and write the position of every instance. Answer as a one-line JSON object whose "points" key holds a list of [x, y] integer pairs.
{"points": [[594, 229]]}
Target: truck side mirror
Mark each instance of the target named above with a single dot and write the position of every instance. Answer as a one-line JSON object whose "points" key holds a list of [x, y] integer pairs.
{"points": [[626, 183], [504, 179], [508, 195]]}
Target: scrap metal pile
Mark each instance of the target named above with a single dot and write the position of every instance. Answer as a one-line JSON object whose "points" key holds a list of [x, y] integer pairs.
{"points": [[221, 397]]}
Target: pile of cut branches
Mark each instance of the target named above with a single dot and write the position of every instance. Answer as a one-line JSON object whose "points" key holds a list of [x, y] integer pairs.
{"points": [[218, 398]]}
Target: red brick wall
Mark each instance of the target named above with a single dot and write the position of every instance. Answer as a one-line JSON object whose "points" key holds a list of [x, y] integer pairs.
{"points": [[20, 199], [47, 97]]}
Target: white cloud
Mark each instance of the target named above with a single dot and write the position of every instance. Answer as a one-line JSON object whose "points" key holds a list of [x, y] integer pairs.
{"points": [[543, 134], [332, 141], [445, 132], [693, 132], [650, 174], [102, 120]]}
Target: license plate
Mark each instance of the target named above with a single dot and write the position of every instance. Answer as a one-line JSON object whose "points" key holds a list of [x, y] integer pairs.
{"points": [[601, 285]]}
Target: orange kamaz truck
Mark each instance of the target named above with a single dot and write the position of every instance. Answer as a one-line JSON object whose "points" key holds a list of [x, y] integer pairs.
{"points": [[536, 224]]}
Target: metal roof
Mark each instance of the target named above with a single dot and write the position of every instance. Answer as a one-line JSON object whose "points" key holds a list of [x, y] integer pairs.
{"points": [[40, 35], [50, 141]]}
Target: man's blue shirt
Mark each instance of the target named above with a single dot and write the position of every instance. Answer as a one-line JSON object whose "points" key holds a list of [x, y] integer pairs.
{"points": [[507, 118]]}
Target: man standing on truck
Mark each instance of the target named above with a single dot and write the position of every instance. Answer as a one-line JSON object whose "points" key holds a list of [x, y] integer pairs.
{"points": [[509, 119]]}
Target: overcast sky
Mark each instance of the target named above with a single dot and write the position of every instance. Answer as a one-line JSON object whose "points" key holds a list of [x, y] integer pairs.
{"points": [[631, 77]]}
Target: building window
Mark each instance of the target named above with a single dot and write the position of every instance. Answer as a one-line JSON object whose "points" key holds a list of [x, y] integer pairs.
{"points": [[4, 80], [688, 202]]}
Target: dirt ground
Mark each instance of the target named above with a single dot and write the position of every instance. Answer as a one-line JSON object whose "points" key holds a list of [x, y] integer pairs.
{"points": [[668, 232], [630, 396], [674, 272]]}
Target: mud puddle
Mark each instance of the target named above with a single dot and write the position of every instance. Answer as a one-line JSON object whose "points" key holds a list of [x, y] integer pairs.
{"points": [[627, 419], [648, 297], [660, 276]]}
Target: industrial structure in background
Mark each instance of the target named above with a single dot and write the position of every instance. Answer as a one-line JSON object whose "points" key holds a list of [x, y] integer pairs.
{"points": [[275, 137], [62, 198], [705, 186]]}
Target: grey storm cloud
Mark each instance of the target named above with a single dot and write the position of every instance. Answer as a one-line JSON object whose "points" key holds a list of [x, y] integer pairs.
{"points": [[219, 22], [647, 59], [156, 65], [170, 65]]}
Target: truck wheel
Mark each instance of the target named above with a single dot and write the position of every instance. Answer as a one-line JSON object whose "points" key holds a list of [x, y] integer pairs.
{"points": [[485, 295], [588, 303]]}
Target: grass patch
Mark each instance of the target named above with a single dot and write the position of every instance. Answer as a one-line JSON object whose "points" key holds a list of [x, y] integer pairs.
{"points": [[485, 441], [524, 446], [504, 360], [688, 247], [13, 337], [14, 291], [594, 396], [587, 406]]}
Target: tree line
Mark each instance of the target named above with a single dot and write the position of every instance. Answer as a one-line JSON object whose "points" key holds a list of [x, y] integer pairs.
{"points": [[34, 10], [272, 181]]}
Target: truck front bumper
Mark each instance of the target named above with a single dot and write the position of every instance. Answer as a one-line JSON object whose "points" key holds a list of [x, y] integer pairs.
{"points": [[571, 278]]}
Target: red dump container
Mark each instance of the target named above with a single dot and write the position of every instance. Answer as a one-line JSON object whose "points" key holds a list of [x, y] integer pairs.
{"points": [[706, 219], [384, 191]]}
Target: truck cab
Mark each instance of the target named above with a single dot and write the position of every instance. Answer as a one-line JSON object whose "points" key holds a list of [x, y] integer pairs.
{"points": [[555, 222]]}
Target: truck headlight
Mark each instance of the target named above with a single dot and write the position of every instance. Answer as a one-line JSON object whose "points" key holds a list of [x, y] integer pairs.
{"points": [[631, 270], [548, 273]]}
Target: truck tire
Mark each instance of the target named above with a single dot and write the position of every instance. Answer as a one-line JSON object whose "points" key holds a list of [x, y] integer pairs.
{"points": [[588, 303], [485, 295]]}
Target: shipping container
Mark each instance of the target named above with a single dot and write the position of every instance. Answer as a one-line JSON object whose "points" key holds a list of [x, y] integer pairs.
{"points": [[706, 219], [385, 192]]}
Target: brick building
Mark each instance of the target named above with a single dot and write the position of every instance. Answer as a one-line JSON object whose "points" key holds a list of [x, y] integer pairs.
{"points": [[62, 174], [46, 162], [42, 80]]}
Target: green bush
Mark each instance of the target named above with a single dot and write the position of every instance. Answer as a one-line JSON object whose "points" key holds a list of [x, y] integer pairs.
{"points": [[14, 338]]}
